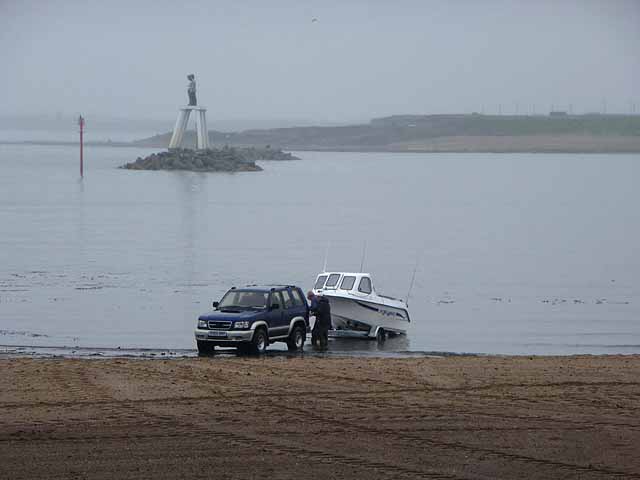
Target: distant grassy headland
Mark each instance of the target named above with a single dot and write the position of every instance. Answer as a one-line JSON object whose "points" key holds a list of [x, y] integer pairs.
{"points": [[559, 132]]}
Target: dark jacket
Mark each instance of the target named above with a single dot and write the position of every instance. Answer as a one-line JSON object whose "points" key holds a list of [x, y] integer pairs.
{"points": [[322, 310]]}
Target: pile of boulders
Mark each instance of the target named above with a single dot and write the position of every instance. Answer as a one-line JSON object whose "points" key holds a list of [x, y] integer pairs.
{"points": [[266, 153], [227, 159]]}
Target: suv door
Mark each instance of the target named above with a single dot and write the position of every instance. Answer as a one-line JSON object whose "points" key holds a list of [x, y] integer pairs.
{"points": [[275, 318], [288, 311], [300, 307], [289, 307]]}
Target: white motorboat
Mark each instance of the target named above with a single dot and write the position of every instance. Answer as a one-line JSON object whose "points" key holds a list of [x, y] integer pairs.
{"points": [[357, 308]]}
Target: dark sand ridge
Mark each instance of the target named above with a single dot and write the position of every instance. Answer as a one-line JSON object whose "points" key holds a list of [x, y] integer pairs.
{"points": [[314, 417]]}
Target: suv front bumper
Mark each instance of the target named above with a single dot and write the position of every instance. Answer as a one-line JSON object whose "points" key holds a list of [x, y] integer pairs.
{"points": [[233, 336]]}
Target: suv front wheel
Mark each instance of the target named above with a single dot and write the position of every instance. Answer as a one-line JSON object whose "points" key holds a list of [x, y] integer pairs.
{"points": [[296, 339], [205, 348], [260, 341]]}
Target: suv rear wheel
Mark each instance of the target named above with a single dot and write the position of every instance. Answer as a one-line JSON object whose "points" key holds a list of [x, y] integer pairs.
{"points": [[296, 339], [259, 341]]}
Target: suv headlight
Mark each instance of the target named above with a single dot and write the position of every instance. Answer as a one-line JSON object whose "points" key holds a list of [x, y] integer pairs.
{"points": [[243, 324], [202, 324]]}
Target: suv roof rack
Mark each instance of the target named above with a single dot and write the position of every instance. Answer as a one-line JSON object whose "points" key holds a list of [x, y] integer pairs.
{"points": [[267, 286]]}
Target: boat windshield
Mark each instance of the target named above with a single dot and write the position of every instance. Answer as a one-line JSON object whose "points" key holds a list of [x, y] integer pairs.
{"points": [[320, 282], [240, 300], [332, 281], [347, 283], [365, 285]]}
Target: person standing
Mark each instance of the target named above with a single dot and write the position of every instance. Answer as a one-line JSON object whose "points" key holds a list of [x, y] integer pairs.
{"points": [[322, 310], [191, 90], [313, 306]]}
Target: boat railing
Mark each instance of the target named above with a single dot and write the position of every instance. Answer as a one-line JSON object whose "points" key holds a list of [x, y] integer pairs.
{"points": [[391, 298]]}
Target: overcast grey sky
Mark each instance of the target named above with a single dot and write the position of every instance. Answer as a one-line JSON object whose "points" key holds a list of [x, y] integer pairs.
{"points": [[361, 59]]}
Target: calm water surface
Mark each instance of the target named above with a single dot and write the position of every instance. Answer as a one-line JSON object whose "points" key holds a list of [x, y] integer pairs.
{"points": [[517, 253]]}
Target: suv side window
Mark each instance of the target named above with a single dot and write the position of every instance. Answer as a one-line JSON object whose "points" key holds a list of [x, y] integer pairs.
{"points": [[288, 302], [275, 299], [297, 297]]}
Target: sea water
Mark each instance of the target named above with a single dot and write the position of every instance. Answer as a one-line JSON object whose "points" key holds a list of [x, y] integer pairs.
{"points": [[514, 253]]}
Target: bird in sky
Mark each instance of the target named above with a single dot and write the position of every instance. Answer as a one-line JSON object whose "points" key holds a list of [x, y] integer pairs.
{"points": [[313, 20]]}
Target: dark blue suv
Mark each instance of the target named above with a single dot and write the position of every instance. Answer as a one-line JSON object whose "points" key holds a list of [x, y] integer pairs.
{"points": [[252, 317]]}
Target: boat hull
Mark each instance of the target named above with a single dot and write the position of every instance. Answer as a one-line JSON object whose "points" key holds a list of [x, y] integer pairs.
{"points": [[362, 315]]}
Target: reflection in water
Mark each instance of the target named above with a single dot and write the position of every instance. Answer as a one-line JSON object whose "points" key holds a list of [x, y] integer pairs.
{"points": [[398, 343], [79, 208], [339, 347], [188, 193], [189, 189]]}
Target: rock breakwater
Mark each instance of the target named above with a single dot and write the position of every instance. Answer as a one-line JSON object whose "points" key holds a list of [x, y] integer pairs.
{"points": [[225, 159], [266, 153]]}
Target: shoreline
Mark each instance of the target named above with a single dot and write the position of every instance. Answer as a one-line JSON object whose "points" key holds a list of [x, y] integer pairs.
{"points": [[453, 417], [160, 353], [584, 145]]}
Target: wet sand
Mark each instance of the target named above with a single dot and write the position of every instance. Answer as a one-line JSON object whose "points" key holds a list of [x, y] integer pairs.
{"points": [[313, 417]]}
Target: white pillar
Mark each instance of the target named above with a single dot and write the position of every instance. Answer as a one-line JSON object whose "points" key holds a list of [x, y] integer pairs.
{"points": [[206, 130], [202, 134], [180, 127], [201, 130]]}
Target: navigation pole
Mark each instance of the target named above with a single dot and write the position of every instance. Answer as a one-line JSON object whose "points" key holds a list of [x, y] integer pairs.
{"points": [[81, 124]]}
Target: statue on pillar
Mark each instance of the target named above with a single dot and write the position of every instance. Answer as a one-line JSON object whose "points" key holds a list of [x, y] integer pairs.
{"points": [[202, 134], [191, 90]]}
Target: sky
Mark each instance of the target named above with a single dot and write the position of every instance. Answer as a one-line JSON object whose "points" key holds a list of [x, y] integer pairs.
{"points": [[271, 60]]}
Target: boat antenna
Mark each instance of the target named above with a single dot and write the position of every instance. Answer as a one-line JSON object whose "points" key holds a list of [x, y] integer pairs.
{"points": [[326, 256], [413, 279], [364, 251]]}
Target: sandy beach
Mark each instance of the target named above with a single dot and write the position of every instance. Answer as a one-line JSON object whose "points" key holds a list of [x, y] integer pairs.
{"points": [[313, 417]]}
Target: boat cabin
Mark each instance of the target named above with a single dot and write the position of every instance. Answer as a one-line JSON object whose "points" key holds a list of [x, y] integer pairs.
{"points": [[347, 282]]}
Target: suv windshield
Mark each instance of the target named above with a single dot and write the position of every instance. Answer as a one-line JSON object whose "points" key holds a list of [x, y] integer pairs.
{"points": [[238, 300]]}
